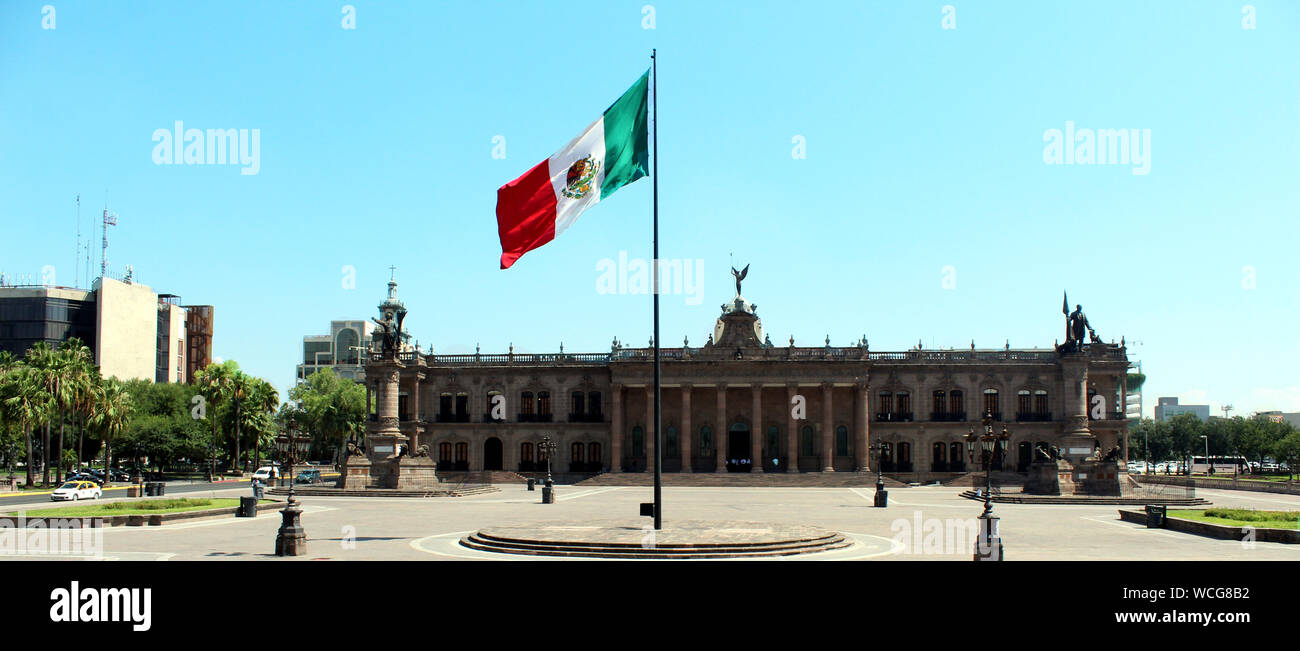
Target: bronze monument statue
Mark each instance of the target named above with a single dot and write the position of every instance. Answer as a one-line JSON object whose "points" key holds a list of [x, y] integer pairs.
{"points": [[740, 275]]}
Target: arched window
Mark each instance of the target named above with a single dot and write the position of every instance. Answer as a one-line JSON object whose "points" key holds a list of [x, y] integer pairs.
{"points": [[638, 442], [578, 408], [462, 452], [1040, 403], [806, 441], [841, 441], [939, 458], [445, 413], [444, 451], [670, 446], [593, 406], [1024, 403], [957, 404], [593, 455], [956, 458], [991, 404], [903, 405], [526, 403], [706, 439], [577, 453], [544, 403], [345, 346], [904, 461], [884, 405], [940, 405], [526, 452], [462, 407]]}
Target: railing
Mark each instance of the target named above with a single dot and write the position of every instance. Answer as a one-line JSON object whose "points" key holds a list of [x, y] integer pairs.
{"points": [[533, 418], [1033, 417], [586, 418], [948, 416], [847, 353], [894, 416]]}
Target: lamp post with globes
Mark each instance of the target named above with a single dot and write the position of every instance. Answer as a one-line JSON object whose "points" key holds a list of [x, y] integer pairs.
{"points": [[291, 540], [988, 545], [547, 447]]}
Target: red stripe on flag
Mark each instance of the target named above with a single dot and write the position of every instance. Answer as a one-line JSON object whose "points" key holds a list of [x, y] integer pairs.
{"points": [[526, 213]]}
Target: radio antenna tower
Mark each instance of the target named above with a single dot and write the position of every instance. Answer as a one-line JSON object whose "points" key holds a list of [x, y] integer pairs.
{"points": [[110, 219]]}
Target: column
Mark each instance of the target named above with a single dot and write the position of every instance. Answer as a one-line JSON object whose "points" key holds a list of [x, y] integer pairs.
{"points": [[792, 430], [828, 430], [616, 429], [1123, 409], [650, 428], [686, 440], [861, 417], [756, 430], [414, 443], [720, 430]]}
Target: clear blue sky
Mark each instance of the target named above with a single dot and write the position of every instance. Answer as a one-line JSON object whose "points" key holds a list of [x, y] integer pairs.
{"points": [[924, 149]]}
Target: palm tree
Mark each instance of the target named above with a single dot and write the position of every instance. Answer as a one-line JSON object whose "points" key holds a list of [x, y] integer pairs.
{"points": [[112, 414], [9, 368], [26, 404], [240, 389], [46, 369], [83, 378], [214, 383], [264, 400]]}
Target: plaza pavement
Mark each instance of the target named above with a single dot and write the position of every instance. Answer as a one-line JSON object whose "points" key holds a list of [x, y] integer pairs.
{"points": [[414, 529]]}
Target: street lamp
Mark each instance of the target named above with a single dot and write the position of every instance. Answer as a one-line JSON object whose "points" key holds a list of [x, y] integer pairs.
{"points": [[882, 495], [291, 540], [547, 447], [1207, 453], [988, 545]]}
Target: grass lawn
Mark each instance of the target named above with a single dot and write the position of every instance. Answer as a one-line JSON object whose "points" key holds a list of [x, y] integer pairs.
{"points": [[1241, 517], [141, 507]]}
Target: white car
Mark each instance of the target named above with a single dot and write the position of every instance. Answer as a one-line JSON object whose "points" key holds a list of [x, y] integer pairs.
{"points": [[266, 473], [76, 490]]}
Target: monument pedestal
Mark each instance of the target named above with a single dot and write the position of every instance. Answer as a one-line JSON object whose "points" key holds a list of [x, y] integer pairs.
{"points": [[415, 473], [356, 473], [1045, 477]]}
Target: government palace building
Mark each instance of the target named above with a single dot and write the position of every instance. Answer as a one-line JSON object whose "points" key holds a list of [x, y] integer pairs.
{"points": [[739, 403]]}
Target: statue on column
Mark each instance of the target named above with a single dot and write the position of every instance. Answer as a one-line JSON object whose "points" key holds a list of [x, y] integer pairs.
{"points": [[1076, 324], [740, 275]]}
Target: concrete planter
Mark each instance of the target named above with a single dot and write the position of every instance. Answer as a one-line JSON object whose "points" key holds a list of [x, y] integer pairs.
{"points": [[1220, 531]]}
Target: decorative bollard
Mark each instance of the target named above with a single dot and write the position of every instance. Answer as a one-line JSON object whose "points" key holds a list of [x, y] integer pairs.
{"points": [[532, 484], [882, 498], [548, 493], [291, 539]]}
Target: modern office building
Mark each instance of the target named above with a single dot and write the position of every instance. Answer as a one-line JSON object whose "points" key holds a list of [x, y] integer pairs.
{"points": [[340, 350], [134, 332], [1167, 408]]}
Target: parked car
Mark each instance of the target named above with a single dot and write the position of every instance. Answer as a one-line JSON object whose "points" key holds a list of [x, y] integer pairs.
{"points": [[308, 477], [266, 473], [76, 490]]}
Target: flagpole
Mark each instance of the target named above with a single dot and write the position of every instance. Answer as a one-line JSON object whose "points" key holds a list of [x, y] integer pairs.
{"points": [[659, 437]]}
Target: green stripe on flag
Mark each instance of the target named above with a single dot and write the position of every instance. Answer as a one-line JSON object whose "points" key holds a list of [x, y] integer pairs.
{"points": [[627, 152]]}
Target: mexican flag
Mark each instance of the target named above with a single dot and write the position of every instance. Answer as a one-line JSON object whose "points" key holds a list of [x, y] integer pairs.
{"points": [[612, 152]]}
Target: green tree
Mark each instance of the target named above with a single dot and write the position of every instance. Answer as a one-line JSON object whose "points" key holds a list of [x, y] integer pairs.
{"points": [[214, 385], [112, 415], [332, 408], [1185, 435]]}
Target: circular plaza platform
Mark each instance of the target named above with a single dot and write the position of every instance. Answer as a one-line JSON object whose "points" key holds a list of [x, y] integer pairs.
{"points": [[684, 539]]}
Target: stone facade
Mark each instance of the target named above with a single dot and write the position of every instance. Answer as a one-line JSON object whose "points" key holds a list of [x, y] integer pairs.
{"points": [[739, 397]]}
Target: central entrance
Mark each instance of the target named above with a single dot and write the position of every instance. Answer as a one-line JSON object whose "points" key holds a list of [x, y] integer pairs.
{"points": [[738, 449], [492, 449]]}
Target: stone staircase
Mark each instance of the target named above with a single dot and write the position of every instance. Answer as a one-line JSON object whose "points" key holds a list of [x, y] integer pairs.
{"points": [[737, 480], [484, 541]]}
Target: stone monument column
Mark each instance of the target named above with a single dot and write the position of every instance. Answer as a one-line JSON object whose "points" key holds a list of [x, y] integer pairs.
{"points": [[720, 432], [1077, 441], [686, 440], [756, 433], [792, 430], [616, 429], [828, 430]]}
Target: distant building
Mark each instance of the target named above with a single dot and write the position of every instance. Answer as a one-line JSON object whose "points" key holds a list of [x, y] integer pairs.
{"points": [[1292, 417], [134, 332], [1167, 408], [340, 350]]}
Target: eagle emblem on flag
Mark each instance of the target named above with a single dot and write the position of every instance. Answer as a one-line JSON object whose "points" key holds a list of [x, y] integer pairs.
{"points": [[577, 181]]}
